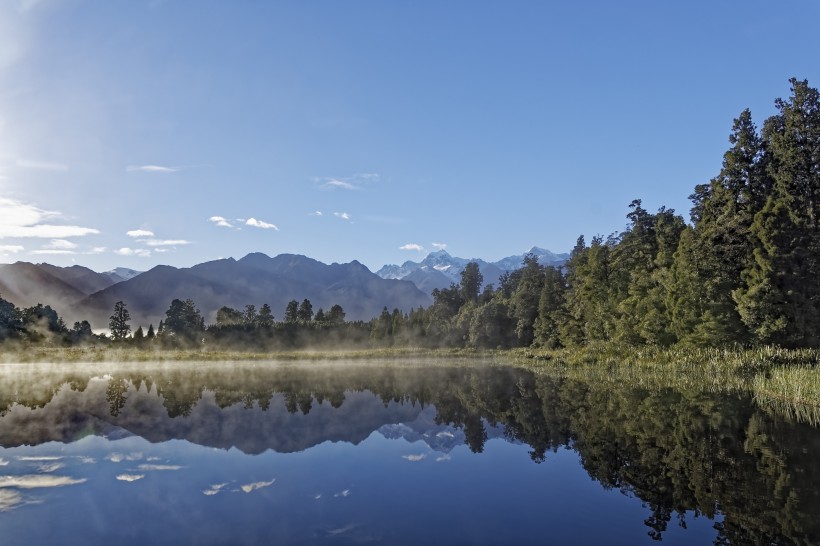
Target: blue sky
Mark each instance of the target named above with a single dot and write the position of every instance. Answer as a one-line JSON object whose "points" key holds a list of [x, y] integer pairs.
{"points": [[175, 131]]}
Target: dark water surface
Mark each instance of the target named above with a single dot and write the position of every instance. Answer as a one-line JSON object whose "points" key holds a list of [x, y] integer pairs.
{"points": [[265, 453]]}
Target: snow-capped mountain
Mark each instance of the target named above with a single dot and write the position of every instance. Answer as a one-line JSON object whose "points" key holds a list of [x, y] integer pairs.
{"points": [[439, 269], [119, 274]]}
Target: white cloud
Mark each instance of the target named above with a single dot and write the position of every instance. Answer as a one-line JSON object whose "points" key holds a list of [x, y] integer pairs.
{"points": [[257, 485], [260, 224], [97, 250], [18, 219], [3, 462], [445, 457], [345, 493], [139, 252], [315, 213], [34, 481], [412, 246], [220, 221], [11, 249], [130, 477], [439, 246], [60, 244], [57, 246], [166, 242], [139, 233], [151, 169], [415, 458], [342, 215], [42, 165]]}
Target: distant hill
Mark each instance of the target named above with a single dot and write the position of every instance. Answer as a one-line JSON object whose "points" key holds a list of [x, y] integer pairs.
{"points": [[255, 279], [81, 278], [439, 269], [26, 284]]}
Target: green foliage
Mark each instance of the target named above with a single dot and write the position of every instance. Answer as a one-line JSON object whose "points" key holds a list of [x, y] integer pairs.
{"points": [[118, 323], [183, 323], [292, 311], [305, 312]]}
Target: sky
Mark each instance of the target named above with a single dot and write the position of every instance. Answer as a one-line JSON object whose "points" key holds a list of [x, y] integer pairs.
{"points": [[145, 132]]}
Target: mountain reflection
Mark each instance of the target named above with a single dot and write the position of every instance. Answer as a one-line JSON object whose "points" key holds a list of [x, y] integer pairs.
{"points": [[714, 454]]}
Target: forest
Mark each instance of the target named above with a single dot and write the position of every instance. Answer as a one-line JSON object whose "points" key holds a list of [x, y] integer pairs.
{"points": [[743, 271]]}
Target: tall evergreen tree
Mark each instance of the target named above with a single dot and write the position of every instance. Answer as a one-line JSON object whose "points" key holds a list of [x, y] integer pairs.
{"points": [[118, 323], [780, 301]]}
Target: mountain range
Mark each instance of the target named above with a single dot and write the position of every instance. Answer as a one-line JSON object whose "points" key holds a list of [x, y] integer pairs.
{"points": [[439, 269], [78, 293]]}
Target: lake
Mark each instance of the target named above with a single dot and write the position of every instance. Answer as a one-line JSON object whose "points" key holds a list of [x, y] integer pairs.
{"points": [[438, 452]]}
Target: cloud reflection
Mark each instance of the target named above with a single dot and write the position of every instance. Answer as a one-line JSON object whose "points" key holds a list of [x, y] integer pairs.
{"points": [[152, 467], [119, 457], [34, 481], [257, 485], [130, 477], [415, 458], [9, 499], [47, 468], [214, 489]]}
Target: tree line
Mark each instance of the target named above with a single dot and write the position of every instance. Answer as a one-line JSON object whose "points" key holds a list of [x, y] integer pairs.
{"points": [[744, 270]]}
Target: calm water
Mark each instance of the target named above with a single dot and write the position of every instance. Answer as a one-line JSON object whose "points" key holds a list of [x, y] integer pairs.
{"points": [[263, 453]]}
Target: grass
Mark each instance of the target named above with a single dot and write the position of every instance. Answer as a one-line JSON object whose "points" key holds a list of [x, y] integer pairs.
{"points": [[784, 381]]}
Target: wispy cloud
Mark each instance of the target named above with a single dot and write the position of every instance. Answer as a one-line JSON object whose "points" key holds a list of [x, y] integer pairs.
{"points": [[42, 165], [53, 252], [253, 222], [18, 219], [334, 184], [139, 252], [152, 169], [34, 481], [11, 249], [3, 462], [315, 213], [342, 215], [442, 458], [345, 493], [439, 246], [166, 242], [247, 488], [97, 250], [348, 183], [139, 233], [220, 221], [412, 246]]}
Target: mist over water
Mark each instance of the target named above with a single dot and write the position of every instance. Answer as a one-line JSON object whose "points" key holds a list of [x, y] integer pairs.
{"points": [[461, 451]]}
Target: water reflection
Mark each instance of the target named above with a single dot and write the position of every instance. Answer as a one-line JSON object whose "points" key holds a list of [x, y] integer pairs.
{"points": [[683, 454]]}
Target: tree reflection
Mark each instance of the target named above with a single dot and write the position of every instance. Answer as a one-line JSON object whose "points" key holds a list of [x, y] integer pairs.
{"points": [[679, 452]]}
